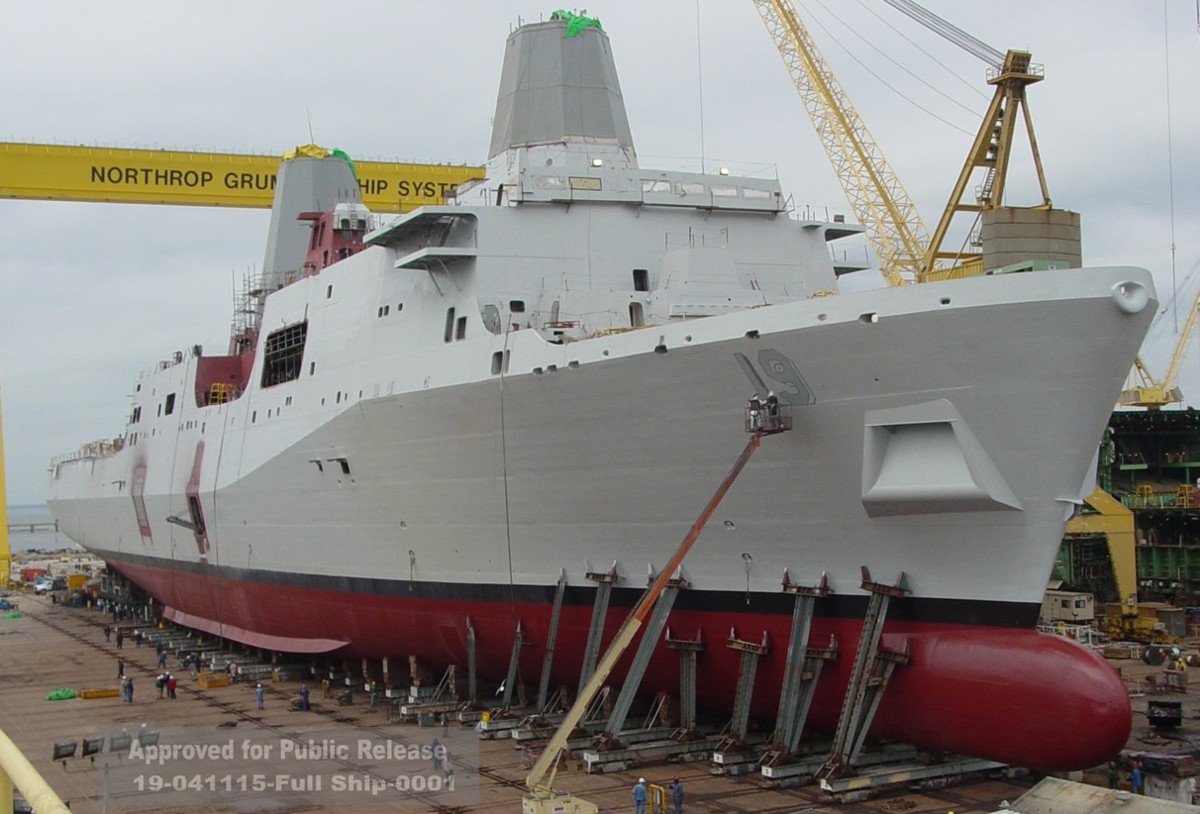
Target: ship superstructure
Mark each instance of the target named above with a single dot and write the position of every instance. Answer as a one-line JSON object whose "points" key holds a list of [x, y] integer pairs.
{"points": [[421, 432]]}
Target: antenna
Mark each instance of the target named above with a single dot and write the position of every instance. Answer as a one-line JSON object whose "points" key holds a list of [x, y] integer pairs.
{"points": [[308, 113], [700, 83]]}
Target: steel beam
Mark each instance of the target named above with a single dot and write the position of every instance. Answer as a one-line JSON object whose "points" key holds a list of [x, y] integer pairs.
{"points": [[600, 761], [744, 693], [551, 637], [868, 678], [641, 659], [803, 667], [892, 774], [591, 652], [472, 687], [514, 659], [687, 682]]}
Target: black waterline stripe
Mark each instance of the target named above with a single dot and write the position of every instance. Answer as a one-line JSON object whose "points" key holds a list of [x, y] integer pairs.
{"points": [[984, 613]]}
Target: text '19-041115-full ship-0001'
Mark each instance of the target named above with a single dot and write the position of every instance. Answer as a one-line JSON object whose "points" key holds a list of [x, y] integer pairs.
{"points": [[430, 419]]}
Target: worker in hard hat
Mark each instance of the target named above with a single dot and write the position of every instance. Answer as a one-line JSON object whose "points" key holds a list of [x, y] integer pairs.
{"points": [[639, 796]]}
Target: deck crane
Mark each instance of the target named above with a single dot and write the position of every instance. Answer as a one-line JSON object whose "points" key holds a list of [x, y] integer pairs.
{"points": [[542, 798], [905, 250], [880, 203], [1149, 392], [1011, 73]]}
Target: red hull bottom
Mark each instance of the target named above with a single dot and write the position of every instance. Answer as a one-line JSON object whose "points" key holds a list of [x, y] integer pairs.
{"points": [[1007, 694]]}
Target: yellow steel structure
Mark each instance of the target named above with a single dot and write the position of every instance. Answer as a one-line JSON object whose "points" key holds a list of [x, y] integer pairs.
{"points": [[880, 203], [991, 152], [1148, 391], [1110, 518], [17, 771], [104, 174], [5, 553], [902, 244], [1156, 393]]}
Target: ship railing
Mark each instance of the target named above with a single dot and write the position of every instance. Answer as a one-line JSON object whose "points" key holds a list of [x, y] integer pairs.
{"points": [[1083, 633], [93, 449], [767, 417]]}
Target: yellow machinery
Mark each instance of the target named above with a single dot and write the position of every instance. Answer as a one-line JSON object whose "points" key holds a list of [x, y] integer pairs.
{"points": [[102, 174], [5, 555], [1137, 624], [905, 251], [1148, 391], [1153, 393], [1109, 517]]}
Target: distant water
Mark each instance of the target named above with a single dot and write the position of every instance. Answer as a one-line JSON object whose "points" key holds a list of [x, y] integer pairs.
{"points": [[26, 541]]}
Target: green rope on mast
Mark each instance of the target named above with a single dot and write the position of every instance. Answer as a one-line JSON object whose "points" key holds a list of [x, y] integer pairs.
{"points": [[575, 22]]}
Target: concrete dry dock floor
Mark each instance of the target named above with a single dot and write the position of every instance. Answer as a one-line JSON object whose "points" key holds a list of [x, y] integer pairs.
{"points": [[51, 646]]}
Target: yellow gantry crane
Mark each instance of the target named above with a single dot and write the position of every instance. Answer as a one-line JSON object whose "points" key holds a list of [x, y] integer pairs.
{"points": [[118, 175], [903, 246]]}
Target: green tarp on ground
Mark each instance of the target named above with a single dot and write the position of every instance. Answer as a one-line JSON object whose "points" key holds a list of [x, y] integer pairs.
{"points": [[13, 615], [60, 694]]}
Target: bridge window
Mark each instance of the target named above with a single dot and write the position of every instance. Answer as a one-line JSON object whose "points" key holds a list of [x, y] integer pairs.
{"points": [[641, 280], [283, 354]]}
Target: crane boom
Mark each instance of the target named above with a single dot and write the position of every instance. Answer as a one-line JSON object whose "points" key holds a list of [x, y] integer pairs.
{"points": [[880, 203], [905, 250], [1156, 393], [542, 797], [1185, 341]]}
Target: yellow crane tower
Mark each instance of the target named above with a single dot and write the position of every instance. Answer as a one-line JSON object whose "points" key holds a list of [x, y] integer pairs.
{"points": [[903, 246], [1010, 73]]}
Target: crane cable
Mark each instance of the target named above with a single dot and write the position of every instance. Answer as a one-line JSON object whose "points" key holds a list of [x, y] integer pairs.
{"points": [[971, 86], [972, 45], [864, 66], [1170, 152]]}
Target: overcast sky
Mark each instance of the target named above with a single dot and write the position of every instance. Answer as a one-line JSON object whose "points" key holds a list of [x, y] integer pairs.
{"points": [[91, 294]]}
